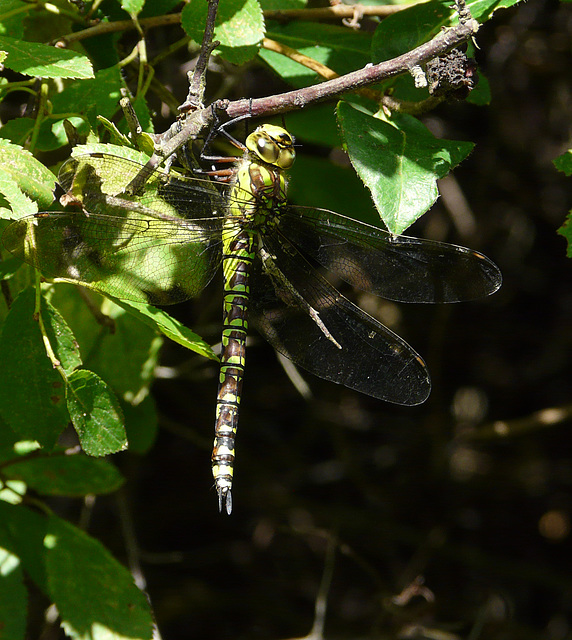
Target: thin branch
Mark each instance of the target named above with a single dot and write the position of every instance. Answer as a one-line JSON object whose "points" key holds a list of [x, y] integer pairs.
{"points": [[119, 25], [412, 108], [321, 605], [180, 133], [370, 74], [335, 12], [300, 58], [393, 104], [197, 82], [464, 12], [504, 429]]}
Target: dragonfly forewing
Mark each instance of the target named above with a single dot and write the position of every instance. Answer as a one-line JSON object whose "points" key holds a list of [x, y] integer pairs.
{"points": [[394, 267], [98, 182], [161, 246], [144, 260]]}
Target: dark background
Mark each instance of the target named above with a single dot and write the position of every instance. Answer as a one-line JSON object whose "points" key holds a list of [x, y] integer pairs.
{"points": [[471, 491]]}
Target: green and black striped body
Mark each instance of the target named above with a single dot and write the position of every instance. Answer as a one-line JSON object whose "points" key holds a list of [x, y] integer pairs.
{"points": [[259, 190]]}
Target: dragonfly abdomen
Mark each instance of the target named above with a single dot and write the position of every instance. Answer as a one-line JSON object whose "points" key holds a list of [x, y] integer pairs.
{"points": [[238, 255]]}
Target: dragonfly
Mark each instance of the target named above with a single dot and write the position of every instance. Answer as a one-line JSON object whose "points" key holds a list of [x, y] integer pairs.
{"points": [[164, 245]]}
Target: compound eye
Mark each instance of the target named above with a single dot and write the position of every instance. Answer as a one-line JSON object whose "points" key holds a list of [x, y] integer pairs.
{"points": [[267, 150], [286, 158]]}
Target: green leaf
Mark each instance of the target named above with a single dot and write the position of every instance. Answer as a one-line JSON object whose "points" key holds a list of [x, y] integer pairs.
{"points": [[17, 130], [65, 475], [95, 595], [407, 29], [114, 149], [93, 97], [104, 50], [14, 24], [95, 413], [331, 187], [36, 59], [239, 27], [127, 357], [133, 7], [414, 26], [141, 425], [399, 162], [20, 204], [282, 5], [43, 25], [8, 267], [481, 94], [564, 162], [316, 124], [117, 346], [53, 135], [482, 10], [158, 8], [8, 440], [32, 398], [117, 138], [21, 533], [13, 597], [145, 119], [12, 449], [169, 326], [31, 176], [566, 231]]}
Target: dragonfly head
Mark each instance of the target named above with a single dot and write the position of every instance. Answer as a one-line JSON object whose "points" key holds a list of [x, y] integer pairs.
{"points": [[273, 145]]}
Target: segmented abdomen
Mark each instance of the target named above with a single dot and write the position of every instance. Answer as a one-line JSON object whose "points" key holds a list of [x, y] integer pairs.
{"points": [[238, 254]]}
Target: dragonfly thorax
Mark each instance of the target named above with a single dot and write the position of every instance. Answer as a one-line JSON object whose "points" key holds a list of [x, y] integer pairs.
{"points": [[259, 191]]}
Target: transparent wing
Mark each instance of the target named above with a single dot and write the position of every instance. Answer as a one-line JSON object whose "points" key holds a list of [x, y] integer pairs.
{"points": [[307, 320], [160, 246], [145, 260], [394, 267], [98, 181]]}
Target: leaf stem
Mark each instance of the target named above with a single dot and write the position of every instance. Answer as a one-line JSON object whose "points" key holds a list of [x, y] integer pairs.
{"points": [[47, 344], [40, 114]]}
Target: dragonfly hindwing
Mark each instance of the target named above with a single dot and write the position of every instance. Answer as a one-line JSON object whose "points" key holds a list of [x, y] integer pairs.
{"points": [[289, 294]]}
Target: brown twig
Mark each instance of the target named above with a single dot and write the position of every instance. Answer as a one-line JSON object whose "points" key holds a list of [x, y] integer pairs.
{"points": [[370, 74], [393, 104], [335, 12], [179, 134], [119, 25], [197, 80], [300, 58]]}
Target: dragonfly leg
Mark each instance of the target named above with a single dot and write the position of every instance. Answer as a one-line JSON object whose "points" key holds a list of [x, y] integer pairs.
{"points": [[283, 286]]}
